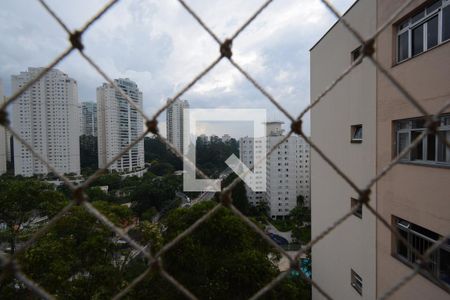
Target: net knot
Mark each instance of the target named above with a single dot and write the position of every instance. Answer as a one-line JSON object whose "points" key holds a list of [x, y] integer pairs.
{"points": [[78, 195], [296, 126], [225, 198], [364, 196], [152, 126], [368, 48], [4, 120], [75, 40], [225, 48]]}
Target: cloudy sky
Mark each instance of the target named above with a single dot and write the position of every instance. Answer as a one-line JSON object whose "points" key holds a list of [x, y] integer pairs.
{"points": [[161, 47]]}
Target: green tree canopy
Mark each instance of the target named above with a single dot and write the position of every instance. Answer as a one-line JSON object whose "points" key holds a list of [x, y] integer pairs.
{"points": [[222, 259], [24, 200]]}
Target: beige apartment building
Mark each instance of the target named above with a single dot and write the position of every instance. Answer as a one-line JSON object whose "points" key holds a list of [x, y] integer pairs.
{"points": [[362, 124]]}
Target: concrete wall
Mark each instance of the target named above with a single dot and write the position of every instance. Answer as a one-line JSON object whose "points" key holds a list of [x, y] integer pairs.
{"points": [[419, 194], [351, 102]]}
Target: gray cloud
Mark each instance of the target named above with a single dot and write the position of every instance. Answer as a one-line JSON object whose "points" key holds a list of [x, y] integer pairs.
{"points": [[161, 47]]}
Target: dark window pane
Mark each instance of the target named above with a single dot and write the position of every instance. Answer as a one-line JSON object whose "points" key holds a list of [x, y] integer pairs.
{"points": [[446, 23], [418, 123], [403, 41], [432, 7], [402, 250], [417, 152], [358, 133], [403, 124], [432, 32], [444, 266], [417, 40], [443, 150], [418, 17], [431, 147], [404, 24], [403, 142]]}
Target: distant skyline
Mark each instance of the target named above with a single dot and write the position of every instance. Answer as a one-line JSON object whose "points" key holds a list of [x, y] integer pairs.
{"points": [[151, 43]]}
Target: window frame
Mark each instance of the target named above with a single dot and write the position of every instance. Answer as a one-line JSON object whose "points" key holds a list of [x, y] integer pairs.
{"points": [[353, 131], [410, 26], [354, 202], [356, 281], [409, 130], [411, 231]]}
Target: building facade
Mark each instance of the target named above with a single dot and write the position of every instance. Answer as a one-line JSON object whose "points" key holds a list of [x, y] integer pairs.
{"points": [[46, 116], [175, 123], [414, 196], [361, 125], [119, 124], [89, 118], [3, 138], [287, 170]]}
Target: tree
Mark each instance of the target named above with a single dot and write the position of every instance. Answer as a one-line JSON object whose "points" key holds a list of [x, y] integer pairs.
{"points": [[24, 200], [161, 168], [112, 180], [301, 217], [222, 259], [80, 258], [154, 192], [239, 194], [154, 149]]}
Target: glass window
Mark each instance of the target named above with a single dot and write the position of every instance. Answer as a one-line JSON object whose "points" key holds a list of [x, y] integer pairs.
{"points": [[417, 40], [424, 30], [356, 281], [434, 6], [432, 32], [421, 239], [416, 152], [443, 151], [446, 23], [432, 149], [356, 133], [444, 267], [403, 45], [358, 212], [403, 141], [417, 17]]}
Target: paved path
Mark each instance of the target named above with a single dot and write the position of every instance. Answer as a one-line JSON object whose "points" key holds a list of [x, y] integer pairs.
{"points": [[272, 229]]}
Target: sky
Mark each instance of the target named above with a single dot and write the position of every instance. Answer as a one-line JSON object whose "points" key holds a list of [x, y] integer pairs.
{"points": [[162, 48]]}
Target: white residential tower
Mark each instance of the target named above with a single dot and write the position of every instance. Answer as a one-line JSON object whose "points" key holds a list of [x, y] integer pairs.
{"points": [[119, 124], [174, 121], [287, 170], [46, 116]]}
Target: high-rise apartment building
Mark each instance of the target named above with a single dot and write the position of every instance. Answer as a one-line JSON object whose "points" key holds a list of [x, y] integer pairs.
{"points": [[174, 123], [119, 124], [361, 125], [3, 138], [89, 118], [287, 169], [46, 116]]}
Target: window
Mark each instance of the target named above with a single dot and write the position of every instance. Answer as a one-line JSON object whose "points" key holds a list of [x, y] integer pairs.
{"points": [[431, 149], [358, 212], [421, 239], [356, 281], [356, 134], [424, 30], [356, 54]]}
